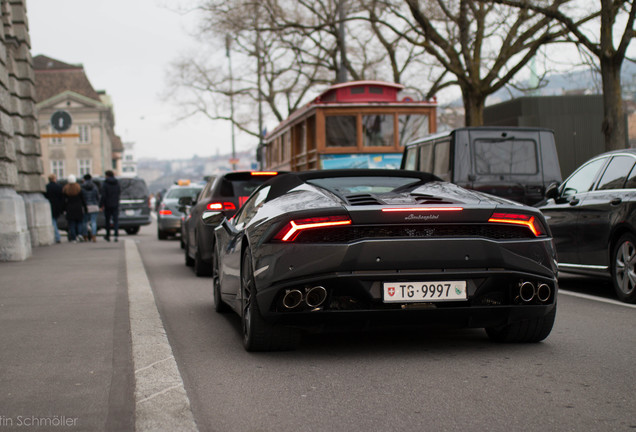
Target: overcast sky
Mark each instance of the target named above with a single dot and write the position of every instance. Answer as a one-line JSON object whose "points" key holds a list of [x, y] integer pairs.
{"points": [[125, 47]]}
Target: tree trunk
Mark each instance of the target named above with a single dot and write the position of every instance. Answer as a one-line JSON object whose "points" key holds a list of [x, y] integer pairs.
{"points": [[474, 103], [614, 128]]}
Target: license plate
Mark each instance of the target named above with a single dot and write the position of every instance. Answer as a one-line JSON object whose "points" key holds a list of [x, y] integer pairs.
{"points": [[130, 212], [411, 292]]}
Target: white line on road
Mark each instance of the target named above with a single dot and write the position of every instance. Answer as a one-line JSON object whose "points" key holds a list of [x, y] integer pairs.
{"points": [[161, 402], [594, 298]]}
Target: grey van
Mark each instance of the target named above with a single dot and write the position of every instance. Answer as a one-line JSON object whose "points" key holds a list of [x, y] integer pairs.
{"points": [[516, 163]]}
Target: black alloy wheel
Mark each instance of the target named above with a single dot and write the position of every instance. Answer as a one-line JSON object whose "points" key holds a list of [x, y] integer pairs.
{"points": [[219, 305], [624, 268], [259, 335]]}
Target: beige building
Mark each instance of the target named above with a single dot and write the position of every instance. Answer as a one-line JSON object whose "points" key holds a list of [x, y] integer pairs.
{"points": [[76, 122]]}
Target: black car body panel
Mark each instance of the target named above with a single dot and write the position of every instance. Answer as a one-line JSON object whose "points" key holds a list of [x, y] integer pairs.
{"points": [[591, 211], [425, 230]]}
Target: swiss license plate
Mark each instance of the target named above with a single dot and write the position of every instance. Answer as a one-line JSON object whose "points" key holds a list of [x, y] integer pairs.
{"points": [[411, 292]]}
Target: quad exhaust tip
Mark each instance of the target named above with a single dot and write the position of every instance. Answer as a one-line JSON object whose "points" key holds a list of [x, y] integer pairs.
{"points": [[528, 292], [313, 297]]}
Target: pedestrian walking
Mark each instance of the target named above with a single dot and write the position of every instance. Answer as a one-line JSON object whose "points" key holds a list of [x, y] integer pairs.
{"points": [[75, 207], [56, 199], [91, 198], [110, 204]]}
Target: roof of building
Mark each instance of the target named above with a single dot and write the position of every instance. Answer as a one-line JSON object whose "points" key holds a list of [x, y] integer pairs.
{"points": [[53, 77]]}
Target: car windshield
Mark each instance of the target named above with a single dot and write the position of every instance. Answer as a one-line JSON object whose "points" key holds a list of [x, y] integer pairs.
{"points": [[371, 185], [181, 192]]}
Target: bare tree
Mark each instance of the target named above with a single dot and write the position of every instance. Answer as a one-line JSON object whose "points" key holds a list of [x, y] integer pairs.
{"points": [[608, 43], [480, 46]]}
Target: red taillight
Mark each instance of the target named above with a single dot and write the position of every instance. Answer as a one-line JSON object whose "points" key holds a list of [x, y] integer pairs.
{"points": [[422, 209], [165, 212], [519, 219], [295, 227], [221, 206]]}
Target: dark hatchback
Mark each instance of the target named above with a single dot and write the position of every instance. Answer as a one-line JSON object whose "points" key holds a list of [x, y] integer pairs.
{"points": [[225, 193], [593, 220]]}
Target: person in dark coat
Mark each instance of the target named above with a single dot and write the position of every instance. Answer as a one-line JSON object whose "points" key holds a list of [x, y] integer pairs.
{"points": [[91, 197], [75, 207], [110, 203], [56, 199]]}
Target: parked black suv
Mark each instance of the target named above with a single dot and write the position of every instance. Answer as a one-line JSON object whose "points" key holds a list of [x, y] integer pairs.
{"points": [[226, 194], [517, 163], [592, 216], [134, 207]]}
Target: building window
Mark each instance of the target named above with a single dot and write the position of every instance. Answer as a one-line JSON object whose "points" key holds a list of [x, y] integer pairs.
{"points": [[377, 130], [84, 166], [57, 168], [84, 134]]}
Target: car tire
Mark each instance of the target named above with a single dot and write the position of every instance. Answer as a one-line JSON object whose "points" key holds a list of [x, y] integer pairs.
{"points": [[624, 268], [219, 305], [132, 231], [201, 267], [161, 235], [259, 335], [526, 331]]}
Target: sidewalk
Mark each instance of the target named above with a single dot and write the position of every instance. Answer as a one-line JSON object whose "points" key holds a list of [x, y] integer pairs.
{"points": [[66, 361]]}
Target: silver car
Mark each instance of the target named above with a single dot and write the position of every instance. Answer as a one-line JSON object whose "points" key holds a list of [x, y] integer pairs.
{"points": [[169, 215]]}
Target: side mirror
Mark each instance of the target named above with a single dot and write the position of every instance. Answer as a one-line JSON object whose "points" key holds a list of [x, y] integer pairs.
{"points": [[212, 218], [552, 191]]}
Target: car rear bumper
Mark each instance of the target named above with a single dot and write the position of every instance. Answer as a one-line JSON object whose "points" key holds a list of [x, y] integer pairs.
{"points": [[353, 275]]}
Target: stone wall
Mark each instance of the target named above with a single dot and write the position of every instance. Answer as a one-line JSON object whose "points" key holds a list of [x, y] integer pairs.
{"points": [[25, 215]]}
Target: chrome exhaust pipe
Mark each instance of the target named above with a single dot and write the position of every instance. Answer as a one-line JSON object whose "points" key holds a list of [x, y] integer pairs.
{"points": [[315, 296], [292, 299], [527, 291], [544, 292]]}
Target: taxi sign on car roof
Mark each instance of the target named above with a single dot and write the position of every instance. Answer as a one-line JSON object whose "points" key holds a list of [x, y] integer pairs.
{"points": [[183, 182]]}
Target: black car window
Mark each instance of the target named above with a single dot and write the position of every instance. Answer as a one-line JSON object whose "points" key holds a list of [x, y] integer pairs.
{"points": [[240, 188], [616, 173], [133, 188], [583, 179], [507, 156], [370, 185]]}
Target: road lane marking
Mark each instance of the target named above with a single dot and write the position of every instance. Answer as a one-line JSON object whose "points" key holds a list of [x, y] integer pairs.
{"points": [[595, 298], [161, 402]]}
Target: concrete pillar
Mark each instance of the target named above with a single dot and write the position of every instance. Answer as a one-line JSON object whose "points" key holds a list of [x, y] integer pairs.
{"points": [[15, 239]]}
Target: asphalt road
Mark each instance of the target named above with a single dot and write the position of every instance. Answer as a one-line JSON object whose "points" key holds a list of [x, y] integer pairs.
{"points": [[580, 379]]}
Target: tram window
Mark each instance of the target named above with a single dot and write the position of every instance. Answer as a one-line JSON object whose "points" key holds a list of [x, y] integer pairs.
{"points": [[341, 131], [412, 127], [375, 90], [377, 130]]}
